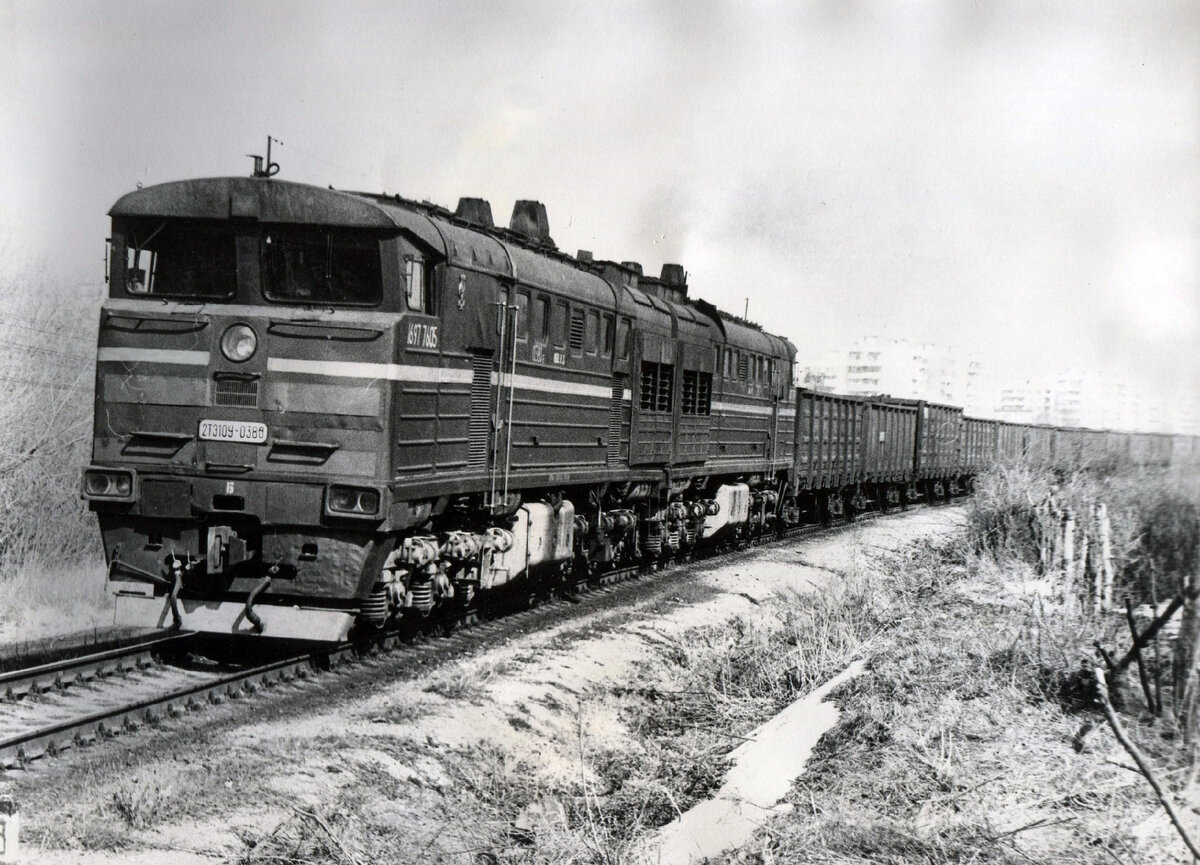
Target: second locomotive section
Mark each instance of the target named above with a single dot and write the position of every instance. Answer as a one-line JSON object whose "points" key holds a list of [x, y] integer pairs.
{"points": [[318, 409]]}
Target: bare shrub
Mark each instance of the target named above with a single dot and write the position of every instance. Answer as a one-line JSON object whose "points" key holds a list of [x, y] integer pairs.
{"points": [[1002, 519], [47, 347], [140, 805], [1018, 514]]}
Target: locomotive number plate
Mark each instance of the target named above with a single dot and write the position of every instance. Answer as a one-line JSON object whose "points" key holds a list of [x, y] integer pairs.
{"points": [[233, 431]]}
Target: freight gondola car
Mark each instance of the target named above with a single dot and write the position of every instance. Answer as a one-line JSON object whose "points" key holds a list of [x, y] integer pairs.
{"points": [[890, 429], [980, 439]]}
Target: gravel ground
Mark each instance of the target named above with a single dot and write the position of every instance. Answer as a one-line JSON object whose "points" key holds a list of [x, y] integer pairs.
{"points": [[391, 743]]}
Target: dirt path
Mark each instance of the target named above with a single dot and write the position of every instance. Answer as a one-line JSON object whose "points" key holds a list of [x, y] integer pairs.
{"points": [[402, 759]]}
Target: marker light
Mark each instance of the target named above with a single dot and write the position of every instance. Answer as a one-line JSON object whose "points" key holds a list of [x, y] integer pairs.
{"points": [[358, 501], [107, 484]]}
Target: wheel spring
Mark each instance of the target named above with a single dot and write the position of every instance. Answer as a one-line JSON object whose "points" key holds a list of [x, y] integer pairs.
{"points": [[421, 595], [375, 607]]}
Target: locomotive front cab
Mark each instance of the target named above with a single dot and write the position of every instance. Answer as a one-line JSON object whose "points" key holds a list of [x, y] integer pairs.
{"points": [[245, 364]]}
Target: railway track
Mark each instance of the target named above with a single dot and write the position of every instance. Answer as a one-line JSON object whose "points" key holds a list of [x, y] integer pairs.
{"points": [[58, 707]]}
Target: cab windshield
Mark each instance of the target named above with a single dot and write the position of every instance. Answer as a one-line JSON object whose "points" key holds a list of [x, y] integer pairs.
{"points": [[320, 265], [177, 258]]}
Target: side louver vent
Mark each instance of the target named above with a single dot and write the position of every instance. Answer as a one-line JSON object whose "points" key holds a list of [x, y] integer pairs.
{"points": [[614, 419], [577, 330], [480, 424]]}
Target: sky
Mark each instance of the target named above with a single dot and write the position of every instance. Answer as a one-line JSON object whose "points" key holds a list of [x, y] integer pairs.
{"points": [[1018, 178]]}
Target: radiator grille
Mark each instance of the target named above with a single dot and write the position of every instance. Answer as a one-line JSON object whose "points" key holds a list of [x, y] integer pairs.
{"points": [[704, 393], [648, 383], [236, 393], [481, 410], [666, 385], [614, 419], [688, 403], [657, 386]]}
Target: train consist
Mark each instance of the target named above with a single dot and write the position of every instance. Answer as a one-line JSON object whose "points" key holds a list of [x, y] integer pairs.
{"points": [[320, 411]]}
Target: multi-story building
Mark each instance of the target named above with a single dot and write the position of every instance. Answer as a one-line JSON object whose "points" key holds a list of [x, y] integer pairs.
{"points": [[938, 373], [1024, 402], [902, 369]]}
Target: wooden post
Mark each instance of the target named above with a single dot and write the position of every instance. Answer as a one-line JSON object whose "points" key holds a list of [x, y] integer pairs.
{"points": [[1055, 535], [1083, 568], [1187, 653], [1068, 549], [1106, 565]]}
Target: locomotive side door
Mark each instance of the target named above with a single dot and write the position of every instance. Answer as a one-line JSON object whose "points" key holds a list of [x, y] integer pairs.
{"points": [[653, 400], [695, 403], [477, 347]]}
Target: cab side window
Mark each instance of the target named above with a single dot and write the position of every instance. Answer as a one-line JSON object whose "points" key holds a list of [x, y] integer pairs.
{"points": [[623, 339], [414, 283], [539, 325], [558, 324], [607, 336], [522, 314], [591, 337]]}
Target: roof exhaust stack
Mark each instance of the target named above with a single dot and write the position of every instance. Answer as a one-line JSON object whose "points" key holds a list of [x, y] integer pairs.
{"points": [[633, 265], [529, 219], [673, 283], [475, 211], [673, 274], [585, 256]]}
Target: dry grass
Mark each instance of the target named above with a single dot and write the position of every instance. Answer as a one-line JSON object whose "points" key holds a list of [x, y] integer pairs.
{"points": [[712, 686], [47, 350], [682, 715], [956, 746]]}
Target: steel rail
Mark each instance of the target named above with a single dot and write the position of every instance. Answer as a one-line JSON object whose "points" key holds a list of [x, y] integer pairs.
{"points": [[52, 740], [62, 674]]}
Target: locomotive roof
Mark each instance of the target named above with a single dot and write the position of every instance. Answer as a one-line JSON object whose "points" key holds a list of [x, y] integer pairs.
{"points": [[270, 201], [757, 340], [497, 251]]}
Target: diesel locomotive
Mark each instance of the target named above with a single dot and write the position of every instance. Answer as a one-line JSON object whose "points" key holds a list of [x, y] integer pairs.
{"points": [[318, 411]]}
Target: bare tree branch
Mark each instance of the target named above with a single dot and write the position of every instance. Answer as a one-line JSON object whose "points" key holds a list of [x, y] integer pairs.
{"points": [[1132, 749]]}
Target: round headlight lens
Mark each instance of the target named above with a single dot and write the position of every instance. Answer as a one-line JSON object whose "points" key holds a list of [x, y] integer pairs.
{"points": [[342, 499], [239, 342]]}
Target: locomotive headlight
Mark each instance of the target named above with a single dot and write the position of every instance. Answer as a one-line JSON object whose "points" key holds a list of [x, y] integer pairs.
{"points": [[110, 484], [353, 501], [239, 342]]}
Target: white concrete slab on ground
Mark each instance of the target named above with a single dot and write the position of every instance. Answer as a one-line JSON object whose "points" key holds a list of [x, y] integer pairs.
{"points": [[762, 773]]}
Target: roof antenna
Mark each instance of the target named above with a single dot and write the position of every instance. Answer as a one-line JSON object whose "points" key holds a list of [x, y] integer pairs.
{"points": [[272, 168]]}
